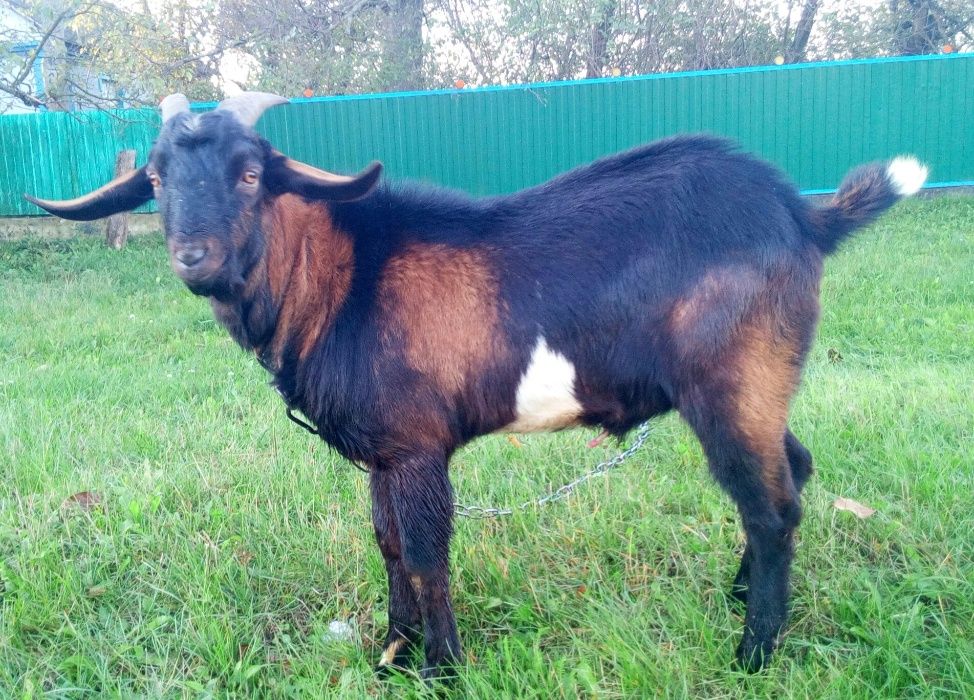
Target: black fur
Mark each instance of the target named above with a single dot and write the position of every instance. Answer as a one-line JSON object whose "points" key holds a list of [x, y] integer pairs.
{"points": [[682, 274]]}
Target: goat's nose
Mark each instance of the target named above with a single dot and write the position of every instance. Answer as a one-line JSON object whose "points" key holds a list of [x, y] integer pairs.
{"points": [[190, 255]]}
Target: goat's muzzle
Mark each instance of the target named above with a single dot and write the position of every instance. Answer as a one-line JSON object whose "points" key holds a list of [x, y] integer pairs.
{"points": [[200, 263], [190, 256]]}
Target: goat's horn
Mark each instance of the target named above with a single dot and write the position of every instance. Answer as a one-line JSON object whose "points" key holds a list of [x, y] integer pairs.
{"points": [[286, 175], [248, 106], [173, 105], [121, 194]]}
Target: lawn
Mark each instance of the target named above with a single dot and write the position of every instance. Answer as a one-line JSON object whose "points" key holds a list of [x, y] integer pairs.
{"points": [[166, 532]]}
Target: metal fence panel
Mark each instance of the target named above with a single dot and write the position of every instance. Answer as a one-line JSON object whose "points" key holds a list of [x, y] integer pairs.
{"points": [[814, 120]]}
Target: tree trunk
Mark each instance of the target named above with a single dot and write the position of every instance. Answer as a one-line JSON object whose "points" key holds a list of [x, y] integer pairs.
{"points": [[795, 53], [918, 27], [402, 55], [117, 228], [598, 47]]}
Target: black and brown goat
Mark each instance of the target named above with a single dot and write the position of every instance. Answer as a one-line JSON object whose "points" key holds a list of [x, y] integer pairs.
{"points": [[405, 321]]}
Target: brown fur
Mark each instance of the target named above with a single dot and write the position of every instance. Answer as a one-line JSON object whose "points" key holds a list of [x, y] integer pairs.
{"points": [[735, 326], [764, 366], [309, 270], [443, 304], [731, 282]]}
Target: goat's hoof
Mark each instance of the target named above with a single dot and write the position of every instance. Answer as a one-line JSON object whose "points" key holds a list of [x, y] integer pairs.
{"points": [[383, 671], [753, 654], [445, 673], [395, 657]]}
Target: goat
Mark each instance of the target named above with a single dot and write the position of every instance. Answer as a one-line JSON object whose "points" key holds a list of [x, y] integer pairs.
{"points": [[404, 321]]}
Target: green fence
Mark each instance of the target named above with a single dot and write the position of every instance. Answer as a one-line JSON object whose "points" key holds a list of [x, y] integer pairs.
{"points": [[814, 120]]}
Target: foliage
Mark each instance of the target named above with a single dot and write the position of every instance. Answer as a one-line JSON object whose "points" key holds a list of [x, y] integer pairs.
{"points": [[344, 46], [167, 48], [145, 52], [533, 40], [329, 47]]}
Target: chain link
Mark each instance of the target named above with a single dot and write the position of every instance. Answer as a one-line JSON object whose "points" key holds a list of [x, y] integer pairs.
{"points": [[561, 493]]}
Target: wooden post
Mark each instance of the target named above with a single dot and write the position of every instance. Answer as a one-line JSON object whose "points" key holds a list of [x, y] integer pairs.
{"points": [[117, 228]]}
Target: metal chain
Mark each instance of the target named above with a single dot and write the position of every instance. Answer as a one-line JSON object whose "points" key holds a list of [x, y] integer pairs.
{"points": [[561, 493]]}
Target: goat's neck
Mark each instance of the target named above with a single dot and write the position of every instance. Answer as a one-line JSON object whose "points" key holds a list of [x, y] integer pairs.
{"points": [[295, 289]]}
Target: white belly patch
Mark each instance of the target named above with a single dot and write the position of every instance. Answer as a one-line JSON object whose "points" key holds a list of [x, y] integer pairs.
{"points": [[546, 396]]}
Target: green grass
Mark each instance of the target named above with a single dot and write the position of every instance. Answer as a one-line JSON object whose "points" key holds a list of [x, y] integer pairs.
{"points": [[228, 539]]}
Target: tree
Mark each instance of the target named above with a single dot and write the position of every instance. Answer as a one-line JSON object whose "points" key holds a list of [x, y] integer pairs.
{"points": [[403, 47], [925, 26], [92, 53], [796, 44], [896, 27], [29, 31], [330, 46], [347, 46], [527, 40]]}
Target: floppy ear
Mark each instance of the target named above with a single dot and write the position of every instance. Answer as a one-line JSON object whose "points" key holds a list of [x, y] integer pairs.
{"points": [[121, 194], [281, 174]]}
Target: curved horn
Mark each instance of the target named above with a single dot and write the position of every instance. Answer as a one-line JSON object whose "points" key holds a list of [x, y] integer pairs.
{"points": [[248, 106], [283, 174], [121, 194], [173, 105]]}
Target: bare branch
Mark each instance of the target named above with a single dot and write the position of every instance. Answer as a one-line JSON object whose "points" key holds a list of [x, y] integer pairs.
{"points": [[29, 60], [25, 97]]}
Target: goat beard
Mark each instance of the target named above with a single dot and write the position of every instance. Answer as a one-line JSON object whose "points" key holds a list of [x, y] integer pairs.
{"points": [[224, 290]]}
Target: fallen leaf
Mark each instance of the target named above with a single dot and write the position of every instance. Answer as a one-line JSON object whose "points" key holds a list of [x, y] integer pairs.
{"points": [[514, 441], [597, 440], [854, 507], [96, 591], [85, 500], [244, 557]]}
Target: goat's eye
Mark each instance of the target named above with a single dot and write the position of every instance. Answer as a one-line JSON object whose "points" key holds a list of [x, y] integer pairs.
{"points": [[249, 177], [154, 180]]}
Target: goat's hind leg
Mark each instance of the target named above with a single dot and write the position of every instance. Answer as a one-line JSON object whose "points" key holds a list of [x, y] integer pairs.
{"points": [[799, 459], [800, 462], [762, 487], [738, 406]]}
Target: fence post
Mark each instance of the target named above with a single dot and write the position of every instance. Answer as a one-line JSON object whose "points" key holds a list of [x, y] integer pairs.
{"points": [[117, 228]]}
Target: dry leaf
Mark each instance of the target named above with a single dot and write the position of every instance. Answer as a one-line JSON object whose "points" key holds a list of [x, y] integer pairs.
{"points": [[855, 507], [244, 557], [514, 441], [85, 500]]}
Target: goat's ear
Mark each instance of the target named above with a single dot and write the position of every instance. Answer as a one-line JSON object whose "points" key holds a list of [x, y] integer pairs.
{"points": [[121, 194], [281, 174]]}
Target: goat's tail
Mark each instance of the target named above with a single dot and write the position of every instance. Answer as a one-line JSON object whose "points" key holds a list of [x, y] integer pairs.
{"points": [[864, 194]]}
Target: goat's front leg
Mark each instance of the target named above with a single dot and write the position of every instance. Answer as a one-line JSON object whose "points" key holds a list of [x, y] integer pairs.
{"points": [[404, 614], [421, 499]]}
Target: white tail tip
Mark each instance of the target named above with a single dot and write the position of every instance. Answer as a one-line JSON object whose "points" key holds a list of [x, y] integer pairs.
{"points": [[906, 174]]}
